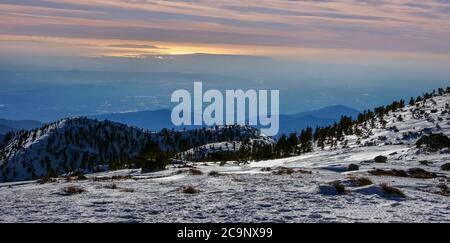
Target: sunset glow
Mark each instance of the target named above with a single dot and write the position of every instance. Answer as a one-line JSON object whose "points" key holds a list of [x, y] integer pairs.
{"points": [[295, 29]]}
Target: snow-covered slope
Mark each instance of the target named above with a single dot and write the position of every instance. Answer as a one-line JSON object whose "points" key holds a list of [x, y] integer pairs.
{"points": [[68, 145], [87, 145], [342, 183], [226, 148], [404, 127]]}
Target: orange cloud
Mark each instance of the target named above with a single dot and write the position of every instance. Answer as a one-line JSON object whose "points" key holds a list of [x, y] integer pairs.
{"points": [[256, 27]]}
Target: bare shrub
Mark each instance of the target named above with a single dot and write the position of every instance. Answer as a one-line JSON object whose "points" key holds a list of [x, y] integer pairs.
{"points": [[190, 189], [361, 181], [46, 179], [391, 190], [421, 173], [445, 191], [112, 178], [110, 186], [71, 190], [340, 189], [394, 172], [76, 178], [127, 190], [214, 173], [195, 172], [304, 171], [284, 171], [288, 171]]}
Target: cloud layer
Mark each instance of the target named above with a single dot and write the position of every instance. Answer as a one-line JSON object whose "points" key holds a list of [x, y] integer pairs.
{"points": [[256, 27]]}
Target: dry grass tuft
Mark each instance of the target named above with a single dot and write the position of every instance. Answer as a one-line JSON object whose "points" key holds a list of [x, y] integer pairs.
{"points": [[214, 173], [112, 178], [127, 190], [110, 186], [190, 190], [340, 189], [195, 172], [417, 173], [361, 181], [71, 190], [445, 191], [391, 190], [46, 179], [382, 172], [288, 171]]}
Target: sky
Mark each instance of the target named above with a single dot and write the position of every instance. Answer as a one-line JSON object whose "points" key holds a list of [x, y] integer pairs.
{"points": [[321, 29], [78, 57]]}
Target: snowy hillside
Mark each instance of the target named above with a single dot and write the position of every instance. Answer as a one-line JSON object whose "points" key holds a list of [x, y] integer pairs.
{"points": [[394, 168], [68, 145], [86, 145], [405, 127], [223, 150], [431, 116]]}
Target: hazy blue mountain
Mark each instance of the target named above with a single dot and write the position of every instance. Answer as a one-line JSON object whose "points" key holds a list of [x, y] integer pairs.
{"points": [[289, 124], [11, 125], [152, 120], [321, 117], [330, 112], [158, 119], [5, 129]]}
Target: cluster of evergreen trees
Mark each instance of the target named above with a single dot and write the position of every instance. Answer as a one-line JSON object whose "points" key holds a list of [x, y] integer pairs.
{"points": [[82, 144], [69, 145], [330, 136]]}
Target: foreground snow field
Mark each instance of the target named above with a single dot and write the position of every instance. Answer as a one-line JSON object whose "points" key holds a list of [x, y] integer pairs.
{"points": [[237, 194]]}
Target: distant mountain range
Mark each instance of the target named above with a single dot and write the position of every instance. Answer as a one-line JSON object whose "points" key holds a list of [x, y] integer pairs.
{"points": [[333, 112], [321, 117], [156, 120], [151, 120], [159, 119], [12, 125]]}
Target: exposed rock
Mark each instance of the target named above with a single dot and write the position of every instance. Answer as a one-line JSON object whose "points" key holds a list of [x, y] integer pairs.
{"points": [[352, 167], [445, 166], [425, 162], [380, 159]]}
